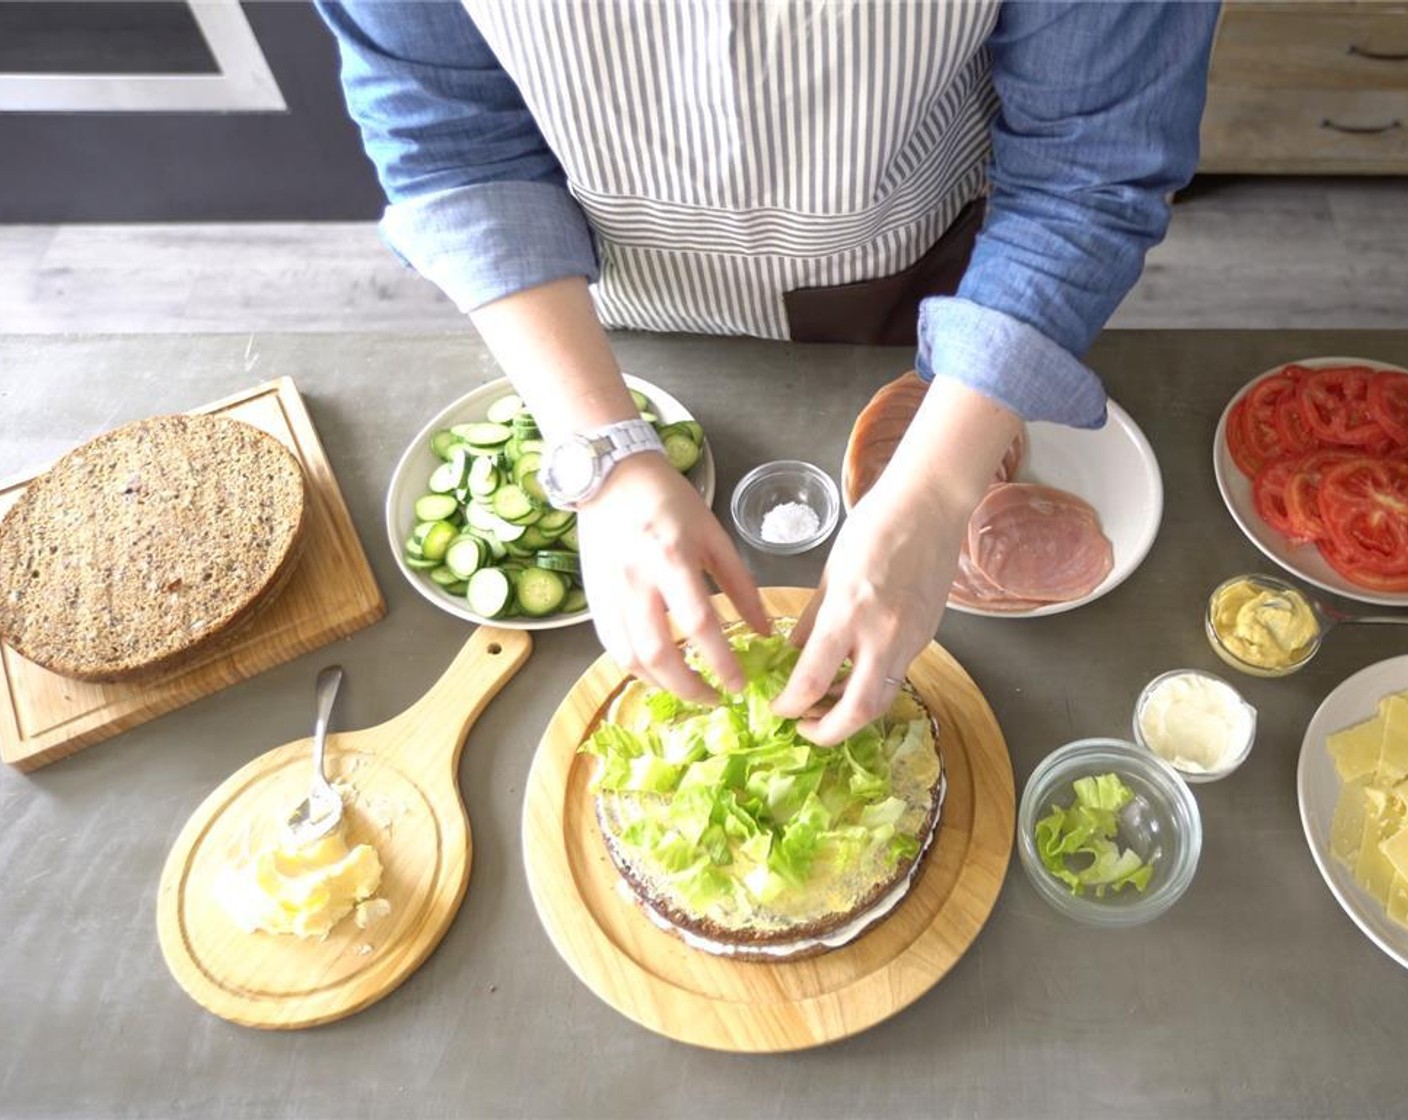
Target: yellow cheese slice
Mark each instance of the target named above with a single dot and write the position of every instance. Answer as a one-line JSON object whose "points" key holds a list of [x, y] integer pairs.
{"points": [[1393, 752], [1395, 850], [1372, 869], [1347, 829], [1356, 749]]}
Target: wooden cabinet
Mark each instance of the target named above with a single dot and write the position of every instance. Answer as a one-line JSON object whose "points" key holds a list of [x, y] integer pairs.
{"points": [[1308, 88]]}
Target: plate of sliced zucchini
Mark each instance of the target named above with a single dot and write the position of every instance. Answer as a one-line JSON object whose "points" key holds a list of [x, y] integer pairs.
{"points": [[468, 521]]}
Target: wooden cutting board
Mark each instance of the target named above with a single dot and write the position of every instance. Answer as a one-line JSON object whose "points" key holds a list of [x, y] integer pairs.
{"points": [[404, 801], [682, 993], [331, 593]]}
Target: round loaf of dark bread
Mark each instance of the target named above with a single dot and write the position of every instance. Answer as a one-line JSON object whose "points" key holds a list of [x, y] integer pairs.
{"points": [[141, 549]]}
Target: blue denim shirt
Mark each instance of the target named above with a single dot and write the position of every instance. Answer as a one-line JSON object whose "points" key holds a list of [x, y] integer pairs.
{"points": [[1101, 104]]}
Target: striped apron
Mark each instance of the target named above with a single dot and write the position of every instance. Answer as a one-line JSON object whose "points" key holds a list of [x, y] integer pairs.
{"points": [[729, 153]]}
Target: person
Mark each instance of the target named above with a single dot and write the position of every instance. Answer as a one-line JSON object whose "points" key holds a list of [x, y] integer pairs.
{"points": [[815, 170]]}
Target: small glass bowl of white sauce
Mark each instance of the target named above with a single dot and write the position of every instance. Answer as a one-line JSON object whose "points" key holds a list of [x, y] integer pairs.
{"points": [[1196, 722]]}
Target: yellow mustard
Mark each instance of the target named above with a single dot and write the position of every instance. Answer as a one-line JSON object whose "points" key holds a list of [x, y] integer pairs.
{"points": [[303, 891], [1271, 629]]}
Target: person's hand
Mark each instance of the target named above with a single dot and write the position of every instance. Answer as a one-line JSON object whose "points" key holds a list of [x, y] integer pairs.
{"points": [[880, 601], [886, 582], [648, 542]]}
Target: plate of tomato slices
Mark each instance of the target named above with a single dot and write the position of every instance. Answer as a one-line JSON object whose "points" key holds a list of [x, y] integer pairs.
{"points": [[1311, 459]]}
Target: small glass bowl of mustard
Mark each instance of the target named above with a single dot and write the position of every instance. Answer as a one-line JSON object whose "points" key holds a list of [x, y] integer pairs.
{"points": [[1262, 625]]}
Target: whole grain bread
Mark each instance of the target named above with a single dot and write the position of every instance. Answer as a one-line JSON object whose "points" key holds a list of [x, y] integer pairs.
{"points": [[144, 548]]}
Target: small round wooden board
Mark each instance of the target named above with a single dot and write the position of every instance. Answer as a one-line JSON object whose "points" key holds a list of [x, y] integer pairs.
{"points": [[405, 802], [685, 994]]}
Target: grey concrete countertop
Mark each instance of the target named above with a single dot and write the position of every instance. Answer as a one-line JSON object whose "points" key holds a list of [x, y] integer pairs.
{"points": [[1254, 996]]}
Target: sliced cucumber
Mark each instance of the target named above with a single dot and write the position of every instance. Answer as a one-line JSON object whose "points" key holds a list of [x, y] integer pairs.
{"points": [[483, 433], [642, 402], [682, 451], [574, 601], [513, 504], [489, 592], [432, 538], [539, 591], [442, 575], [558, 560], [465, 555], [503, 410], [484, 477], [419, 563], [450, 475], [437, 507], [442, 441], [555, 522]]}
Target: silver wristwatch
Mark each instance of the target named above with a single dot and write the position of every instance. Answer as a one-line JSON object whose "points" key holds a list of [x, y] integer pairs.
{"points": [[574, 468]]}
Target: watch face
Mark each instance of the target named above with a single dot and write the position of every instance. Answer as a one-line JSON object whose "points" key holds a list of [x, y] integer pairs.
{"points": [[572, 469]]}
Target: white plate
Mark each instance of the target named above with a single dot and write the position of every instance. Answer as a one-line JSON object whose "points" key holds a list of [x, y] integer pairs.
{"points": [[408, 482], [1236, 489], [1114, 469], [1318, 788]]}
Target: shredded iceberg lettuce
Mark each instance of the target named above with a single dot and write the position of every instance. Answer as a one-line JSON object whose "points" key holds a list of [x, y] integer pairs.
{"points": [[1077, 844], [736, 806]]}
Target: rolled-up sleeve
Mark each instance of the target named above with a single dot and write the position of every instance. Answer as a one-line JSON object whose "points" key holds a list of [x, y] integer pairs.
{"points": [[476, 201], [1100, 107]]}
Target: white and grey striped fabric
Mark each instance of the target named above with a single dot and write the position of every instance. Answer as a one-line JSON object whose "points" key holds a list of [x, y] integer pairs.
{"points": [[729, 151]]}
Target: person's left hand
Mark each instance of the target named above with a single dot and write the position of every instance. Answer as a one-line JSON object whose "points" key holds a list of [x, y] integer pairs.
{"points": [[880, 600], [886, 582]]}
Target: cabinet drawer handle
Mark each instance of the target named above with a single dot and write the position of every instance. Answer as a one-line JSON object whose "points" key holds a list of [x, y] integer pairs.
{"points": [[1378, 56], [1360, 130]]}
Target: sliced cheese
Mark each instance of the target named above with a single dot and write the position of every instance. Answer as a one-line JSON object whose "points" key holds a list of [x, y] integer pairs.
{"points": [[1395, 850], [1393, 751], [1347, 829], [1357, 749], [1372, 870]]}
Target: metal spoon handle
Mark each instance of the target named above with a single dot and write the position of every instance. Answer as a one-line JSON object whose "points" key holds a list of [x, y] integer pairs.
{"points": [[1391, 619], [329, 680]]}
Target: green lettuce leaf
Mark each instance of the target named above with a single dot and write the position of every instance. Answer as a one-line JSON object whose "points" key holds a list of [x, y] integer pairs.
{"points": [[1077, 844]]}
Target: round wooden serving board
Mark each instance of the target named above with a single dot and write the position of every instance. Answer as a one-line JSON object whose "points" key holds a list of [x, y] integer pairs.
{"points": [[405, 802], [685, 994]]}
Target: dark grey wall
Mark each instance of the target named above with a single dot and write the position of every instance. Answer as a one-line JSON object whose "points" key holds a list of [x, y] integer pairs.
{"points": [[302, 165]]}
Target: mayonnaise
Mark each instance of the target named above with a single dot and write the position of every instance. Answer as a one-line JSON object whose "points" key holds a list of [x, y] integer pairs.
{"points": [[1196, 722]]}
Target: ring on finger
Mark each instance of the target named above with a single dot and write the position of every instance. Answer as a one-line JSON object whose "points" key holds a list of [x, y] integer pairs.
{"points": [[898, 682]]}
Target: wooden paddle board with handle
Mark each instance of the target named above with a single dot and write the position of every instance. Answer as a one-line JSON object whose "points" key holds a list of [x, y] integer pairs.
{"points": [[401, 789]]}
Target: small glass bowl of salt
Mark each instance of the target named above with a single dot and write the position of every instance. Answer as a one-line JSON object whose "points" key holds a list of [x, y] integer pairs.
{"points": [[786, 507]]}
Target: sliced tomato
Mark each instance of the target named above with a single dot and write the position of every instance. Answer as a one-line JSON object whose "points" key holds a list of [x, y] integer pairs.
{"points": [[1335, 404], [1237, 446], [1364, 502], [1292, 431], [1269, 496], [1261, 441], [1302, 494], [1355, 573], [1388, 404]]}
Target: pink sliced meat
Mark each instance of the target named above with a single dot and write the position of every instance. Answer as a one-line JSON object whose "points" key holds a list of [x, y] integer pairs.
{"points": [[881, 425], [973, 589], [1037, 542], [878, 430]]}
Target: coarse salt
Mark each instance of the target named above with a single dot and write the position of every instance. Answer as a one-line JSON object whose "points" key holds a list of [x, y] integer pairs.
{"points": [[790, 522]]}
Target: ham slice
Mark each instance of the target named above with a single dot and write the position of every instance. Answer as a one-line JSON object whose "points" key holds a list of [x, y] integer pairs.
{"points": [[878, 430], [881, 425], [973, 589], [1037, 542]]}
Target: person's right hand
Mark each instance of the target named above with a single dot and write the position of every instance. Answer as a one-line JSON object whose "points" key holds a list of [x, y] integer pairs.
{"points": [[648, 542]]}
